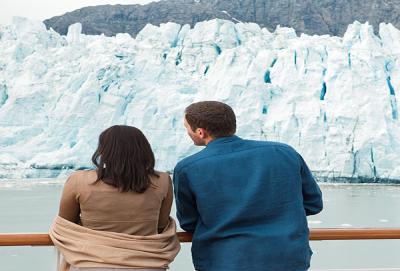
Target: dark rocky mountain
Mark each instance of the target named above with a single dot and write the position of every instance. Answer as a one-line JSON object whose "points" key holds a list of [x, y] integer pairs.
{"points": [[306, 16]]}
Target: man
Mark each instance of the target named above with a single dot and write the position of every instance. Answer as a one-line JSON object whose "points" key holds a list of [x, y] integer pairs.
{"points": [[244, 201]]}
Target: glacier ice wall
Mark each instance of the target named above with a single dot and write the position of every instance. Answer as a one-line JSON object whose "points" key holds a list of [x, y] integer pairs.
{"points": [[331, 98]]}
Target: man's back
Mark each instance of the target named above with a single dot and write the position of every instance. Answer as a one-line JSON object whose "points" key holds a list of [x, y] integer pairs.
{"points": [[246, 203]]}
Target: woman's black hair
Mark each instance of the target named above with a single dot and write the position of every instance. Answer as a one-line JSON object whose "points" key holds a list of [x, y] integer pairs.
{"points": [[124, 159]]}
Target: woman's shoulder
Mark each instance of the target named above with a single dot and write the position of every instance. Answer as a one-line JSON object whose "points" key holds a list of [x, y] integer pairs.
{"points": [[162, 174], [163, 180], [83, 176]]}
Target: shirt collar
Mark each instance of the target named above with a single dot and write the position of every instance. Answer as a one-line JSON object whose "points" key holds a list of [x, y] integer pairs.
{"points": [[222, 140]]}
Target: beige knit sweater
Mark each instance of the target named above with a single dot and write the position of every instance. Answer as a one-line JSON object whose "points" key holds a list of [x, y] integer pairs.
{"points": [[84, 247]]}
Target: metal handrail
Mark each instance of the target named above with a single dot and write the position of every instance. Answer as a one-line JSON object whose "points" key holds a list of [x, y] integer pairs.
{"points": [[316, 234]]}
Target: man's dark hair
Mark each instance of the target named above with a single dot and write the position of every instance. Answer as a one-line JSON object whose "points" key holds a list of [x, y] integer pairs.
{"points": [[216, 117], [124, 159]]}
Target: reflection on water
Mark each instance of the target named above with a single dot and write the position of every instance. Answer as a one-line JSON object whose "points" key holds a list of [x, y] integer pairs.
{"points": [[28, 206]]}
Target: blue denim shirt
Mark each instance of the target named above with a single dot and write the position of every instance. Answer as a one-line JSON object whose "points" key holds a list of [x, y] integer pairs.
{"points": [[246, 204]]}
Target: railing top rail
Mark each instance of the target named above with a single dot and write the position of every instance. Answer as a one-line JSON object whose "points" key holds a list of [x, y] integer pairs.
{"points": [[316, 234]]}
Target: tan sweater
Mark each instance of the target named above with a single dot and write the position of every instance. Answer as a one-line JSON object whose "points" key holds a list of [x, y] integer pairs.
{"points": [[83, 247], [99, 206]]}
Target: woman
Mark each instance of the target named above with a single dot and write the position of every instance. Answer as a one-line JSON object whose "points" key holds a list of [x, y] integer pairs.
{"points": [[117, 216]]}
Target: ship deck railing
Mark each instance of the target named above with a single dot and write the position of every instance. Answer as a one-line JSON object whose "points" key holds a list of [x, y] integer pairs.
{"points": [[316, 234]]}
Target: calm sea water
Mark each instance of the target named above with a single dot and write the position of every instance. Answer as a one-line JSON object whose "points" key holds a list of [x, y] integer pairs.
{"points": [[30, 206]]}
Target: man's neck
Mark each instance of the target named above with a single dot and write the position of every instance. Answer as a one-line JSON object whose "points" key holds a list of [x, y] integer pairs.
{"points": [[208, 140]]}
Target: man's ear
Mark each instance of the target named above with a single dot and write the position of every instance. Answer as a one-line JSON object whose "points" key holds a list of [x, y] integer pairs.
{"points": [[202, 133]]}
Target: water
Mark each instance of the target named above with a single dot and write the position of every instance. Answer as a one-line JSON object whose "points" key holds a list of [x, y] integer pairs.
{"points": [[30, 206]]}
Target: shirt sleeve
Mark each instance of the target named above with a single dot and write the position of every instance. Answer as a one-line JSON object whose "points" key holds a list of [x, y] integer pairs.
{"points": [[69, 205], [186, 208], [165, 207], [312, 195]]}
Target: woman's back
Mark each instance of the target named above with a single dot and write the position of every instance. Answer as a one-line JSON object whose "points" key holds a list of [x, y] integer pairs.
{"points": [[100, 206], [122, 207]]}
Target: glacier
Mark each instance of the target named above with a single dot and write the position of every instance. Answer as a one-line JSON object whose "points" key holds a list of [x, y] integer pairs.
{"points": [[332, 98]]}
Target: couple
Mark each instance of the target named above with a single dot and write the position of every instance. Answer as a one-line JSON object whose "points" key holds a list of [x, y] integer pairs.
{"points": [[245, 202]]}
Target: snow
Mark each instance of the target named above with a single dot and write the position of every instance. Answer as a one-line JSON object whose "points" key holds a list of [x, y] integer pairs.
{"points": [[331, 98]]}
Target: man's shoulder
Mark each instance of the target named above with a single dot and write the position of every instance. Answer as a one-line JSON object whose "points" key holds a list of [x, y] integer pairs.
{"points": [[277, 150], [268, 144], [189, 160], [245, 145]]}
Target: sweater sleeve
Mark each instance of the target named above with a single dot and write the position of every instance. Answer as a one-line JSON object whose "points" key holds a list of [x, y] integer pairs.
{"points": [[186, 208], [69, 205], [312, 195]]}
